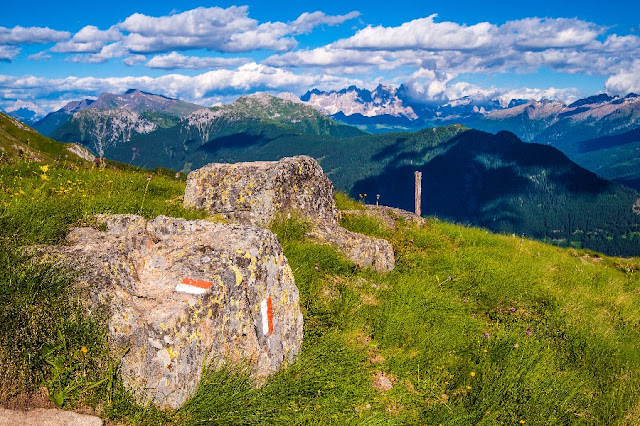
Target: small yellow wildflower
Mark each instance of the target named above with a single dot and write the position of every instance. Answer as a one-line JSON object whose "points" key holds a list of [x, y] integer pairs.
{"points": [[522, 422], [468, 387], [44, 168], [84, 349], [472, 374], [484, 351]]}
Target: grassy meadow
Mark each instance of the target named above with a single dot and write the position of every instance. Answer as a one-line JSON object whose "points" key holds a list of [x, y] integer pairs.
{"points": [[470, 328]]}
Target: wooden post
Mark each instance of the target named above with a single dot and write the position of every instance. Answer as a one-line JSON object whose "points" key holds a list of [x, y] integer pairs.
{"points": [[418, 176]]}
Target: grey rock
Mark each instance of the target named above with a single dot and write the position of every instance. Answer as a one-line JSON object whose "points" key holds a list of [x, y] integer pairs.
{"points": [[388, 216], [364, 251], [256, 192], [137, 270], [46, 417]]}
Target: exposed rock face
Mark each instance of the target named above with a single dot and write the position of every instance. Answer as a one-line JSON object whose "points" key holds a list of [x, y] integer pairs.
{"points": [[364, 251], [180, 294], [256, 192]]}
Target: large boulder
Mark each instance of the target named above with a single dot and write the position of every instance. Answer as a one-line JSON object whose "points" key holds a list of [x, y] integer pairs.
{"points": [[256, 192], [183, 294]]}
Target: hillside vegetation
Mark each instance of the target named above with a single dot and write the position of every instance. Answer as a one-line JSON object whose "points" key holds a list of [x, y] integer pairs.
{"points": [[19, 140], [470, 328]]}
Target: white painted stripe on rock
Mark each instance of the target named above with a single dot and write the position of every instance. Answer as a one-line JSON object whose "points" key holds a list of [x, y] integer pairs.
{"points": [[184, 288], [265, 317]]}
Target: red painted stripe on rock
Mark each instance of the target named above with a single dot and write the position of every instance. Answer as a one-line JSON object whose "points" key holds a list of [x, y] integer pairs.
{"points": [[270, 314], [197, 283]]}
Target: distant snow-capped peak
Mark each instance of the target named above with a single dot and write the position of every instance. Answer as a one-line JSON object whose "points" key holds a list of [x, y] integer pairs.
{"points": [[383, 100]]}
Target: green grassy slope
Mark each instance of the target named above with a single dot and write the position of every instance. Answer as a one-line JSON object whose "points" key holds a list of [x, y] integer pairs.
{"points": [[17, 139], [471, 327]]}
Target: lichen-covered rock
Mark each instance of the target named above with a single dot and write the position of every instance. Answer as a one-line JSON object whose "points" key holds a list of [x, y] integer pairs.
{"points": [[180, 294], [256, 192], [364, 251], [388, 216]]}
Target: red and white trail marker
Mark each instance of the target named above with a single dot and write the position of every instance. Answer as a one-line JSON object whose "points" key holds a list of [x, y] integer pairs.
{"points": [[191, 286], [266, 308]]}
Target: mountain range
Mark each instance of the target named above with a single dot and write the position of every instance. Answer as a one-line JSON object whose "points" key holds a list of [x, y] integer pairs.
{"points": [[496, 181], [567, 127]]}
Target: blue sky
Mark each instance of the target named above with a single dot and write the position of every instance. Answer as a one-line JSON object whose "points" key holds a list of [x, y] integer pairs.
{"points": [[211, 52]]}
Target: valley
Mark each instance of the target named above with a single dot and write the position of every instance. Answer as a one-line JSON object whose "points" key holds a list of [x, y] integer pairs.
{"points": [[471, 177]]}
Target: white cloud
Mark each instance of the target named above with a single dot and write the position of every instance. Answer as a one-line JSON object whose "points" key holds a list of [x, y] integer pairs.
{"points": [[134, 60], [326, 57], [426, 34], [175, 60], [308, 21], [31, 35], [28, 105], [215, 28], [7, 53], [626, 81], [110, 51], [40, 56], [421, 33], [428, 87], [89, 39], [537, 33], [565, 45]]}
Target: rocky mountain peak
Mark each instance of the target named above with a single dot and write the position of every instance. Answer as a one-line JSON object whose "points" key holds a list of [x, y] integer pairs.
{"points": [[383, 100]]}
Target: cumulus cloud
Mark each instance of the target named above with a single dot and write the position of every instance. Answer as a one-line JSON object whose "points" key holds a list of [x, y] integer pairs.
{"points": [[537, 33], [31, 35], [7, 53], [89, 39], [175, 60], [423, 33], [626, 81], [219, 29], [110, 51], [427, 34], [565, 45], [214, 28], [426, 86]]}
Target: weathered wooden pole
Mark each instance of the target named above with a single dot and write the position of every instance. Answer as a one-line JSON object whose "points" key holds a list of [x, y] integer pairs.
{"points": [[418, 176]]}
